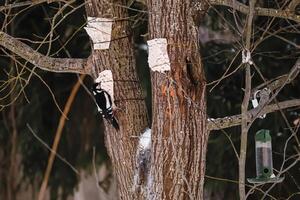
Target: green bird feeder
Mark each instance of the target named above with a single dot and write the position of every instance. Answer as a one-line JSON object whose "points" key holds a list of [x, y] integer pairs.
{"points": [[264, 161]]}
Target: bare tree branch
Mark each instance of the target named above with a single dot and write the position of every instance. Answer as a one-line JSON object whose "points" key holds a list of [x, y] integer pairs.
{"points": [[280, 81], [28, 3], [235, 120], [58, 135], [226, 122], [286, 14], [293, 4], [82, 66], [245, 125]]}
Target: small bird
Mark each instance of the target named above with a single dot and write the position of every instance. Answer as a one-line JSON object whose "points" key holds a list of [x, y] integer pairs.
{"points": [[104, 105]]}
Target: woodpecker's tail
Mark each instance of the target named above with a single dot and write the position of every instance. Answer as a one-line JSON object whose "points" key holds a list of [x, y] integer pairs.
{"points": [[114, 123]]}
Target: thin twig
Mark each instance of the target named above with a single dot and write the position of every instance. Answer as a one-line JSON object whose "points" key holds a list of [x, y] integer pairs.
{"points": [[57, 138], [49, 148], [270, 12]]}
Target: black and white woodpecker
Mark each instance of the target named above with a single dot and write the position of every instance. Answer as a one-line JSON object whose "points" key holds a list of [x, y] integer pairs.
{"points": [[104, 104]]}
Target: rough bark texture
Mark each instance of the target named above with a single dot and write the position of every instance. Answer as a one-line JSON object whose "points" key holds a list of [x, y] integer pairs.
{"points": [[179, 134], [131, 110]]}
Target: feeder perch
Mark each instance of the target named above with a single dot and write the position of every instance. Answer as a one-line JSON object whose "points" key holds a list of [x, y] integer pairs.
{"points": [[264, 161]]}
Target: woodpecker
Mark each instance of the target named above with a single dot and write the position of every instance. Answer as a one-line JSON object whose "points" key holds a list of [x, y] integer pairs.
{"points": [[104, 105]]}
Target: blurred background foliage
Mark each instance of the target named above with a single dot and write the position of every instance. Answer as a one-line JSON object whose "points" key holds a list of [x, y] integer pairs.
{"points": [[35, 105]]}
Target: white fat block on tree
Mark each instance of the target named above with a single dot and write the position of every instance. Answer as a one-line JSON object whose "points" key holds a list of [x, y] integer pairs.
{"points": [[105, 79], [99, 30], [158, 57]]}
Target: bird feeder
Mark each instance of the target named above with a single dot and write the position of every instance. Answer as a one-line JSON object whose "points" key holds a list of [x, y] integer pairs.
{"points": [[264, 161]]}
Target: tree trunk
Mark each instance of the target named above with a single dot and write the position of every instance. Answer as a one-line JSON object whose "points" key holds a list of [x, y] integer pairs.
{"points": [[131, 111], [179, 133]]}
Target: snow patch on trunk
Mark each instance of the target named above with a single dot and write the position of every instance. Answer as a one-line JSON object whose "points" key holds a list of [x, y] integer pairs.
{"points": [[145, 139], [142, 169]]}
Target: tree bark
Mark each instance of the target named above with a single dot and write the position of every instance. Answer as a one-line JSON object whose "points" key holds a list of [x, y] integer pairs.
{"points": [[131, 111], [179, 132]]}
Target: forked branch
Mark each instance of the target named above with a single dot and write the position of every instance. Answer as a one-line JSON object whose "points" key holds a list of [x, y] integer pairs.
{"points": [[235, 120], [78, 65], [273, 86], [280, 81], [258, 11]]}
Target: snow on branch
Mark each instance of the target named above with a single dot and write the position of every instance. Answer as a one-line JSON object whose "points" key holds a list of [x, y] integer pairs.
{"points": [[270, 12], [78, 65], [246, 57]]}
